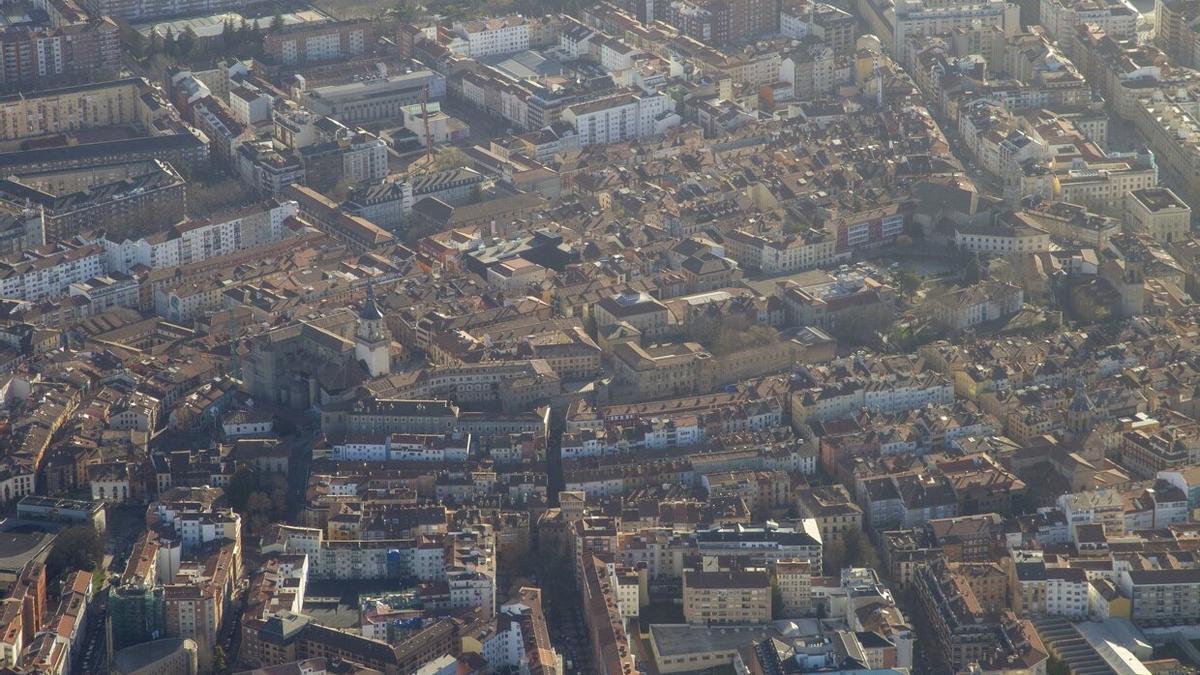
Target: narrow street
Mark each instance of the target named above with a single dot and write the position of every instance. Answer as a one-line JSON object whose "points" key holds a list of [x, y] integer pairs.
{"points": [[564, 615]]}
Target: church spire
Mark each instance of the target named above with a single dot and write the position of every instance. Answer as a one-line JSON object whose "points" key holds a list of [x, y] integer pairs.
{"points": [[372, 341], [370, 309]]}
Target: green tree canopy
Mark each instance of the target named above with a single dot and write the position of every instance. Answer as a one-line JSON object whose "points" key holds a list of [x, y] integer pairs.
{"points": [[973, 271], [909, 281], [75, 548]]}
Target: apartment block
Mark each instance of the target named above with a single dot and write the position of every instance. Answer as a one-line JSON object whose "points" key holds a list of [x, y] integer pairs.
{"points": [[312, 43], [73, 50], [87, 106], [621, 117], [150, 194], [727, 597], [1162, 597]]}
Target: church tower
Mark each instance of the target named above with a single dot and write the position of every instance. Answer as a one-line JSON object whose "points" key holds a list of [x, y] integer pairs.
{"points": [[372, 342], [1081, 412]]}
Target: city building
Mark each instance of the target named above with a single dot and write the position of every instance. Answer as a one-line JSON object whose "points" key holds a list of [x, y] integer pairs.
{"points": [[726, 597], [1158, 212]]}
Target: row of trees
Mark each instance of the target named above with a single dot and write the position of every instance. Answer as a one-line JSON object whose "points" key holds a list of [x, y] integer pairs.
{"points": [[239, 40]]}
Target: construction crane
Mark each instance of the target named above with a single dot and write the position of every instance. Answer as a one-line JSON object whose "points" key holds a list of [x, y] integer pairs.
{"points": [[235, 335], [425, 120]]}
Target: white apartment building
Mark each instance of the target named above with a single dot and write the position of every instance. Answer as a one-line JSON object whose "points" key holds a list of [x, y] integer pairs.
{"points": [[402, 448], [385, 203], [107, 291], [990, 300], [794, 253], [361, 450], [198, 529], [613, 55], [247, 423], [621, 117], [574, 38], [794, 20], [15, 483], [366, 159], [193, 241], [895, 22], [895, 394], [12, 642], [1066, 592], [1164, 596], [1004, 238], [1118, 18], [991, 134], [1170, 123], [1102, 186], [48, 274], [140, 413], [485, 37], [1106, 507], [250, 105], [503, 649], [471, 589]]}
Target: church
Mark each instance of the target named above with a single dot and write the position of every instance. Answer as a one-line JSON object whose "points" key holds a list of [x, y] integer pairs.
{"points": [[311, 362]]}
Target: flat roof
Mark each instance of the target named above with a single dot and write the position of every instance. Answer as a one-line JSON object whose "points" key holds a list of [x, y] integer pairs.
{"points": [[60, 503], [62, 91], [671, 640], [136, 657], [1159, 198], [212, 25], [21, 547], [376, 86]]}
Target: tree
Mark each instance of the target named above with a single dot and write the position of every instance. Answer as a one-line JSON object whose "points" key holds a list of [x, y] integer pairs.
{"points": [[259, 502], [220, 662], [229, 36], [341, 190], [136, 43], [259, 499], [449, 158], [405, 11], [851, 549], [240, 487], [858, 550], [75, 548], [206, 199], [909, 281], [277, 23], [1056, 666], [186, 44], [243, 32], [776, 602], [835, 556], [156, 45], [973, 271], [99, 574]]}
